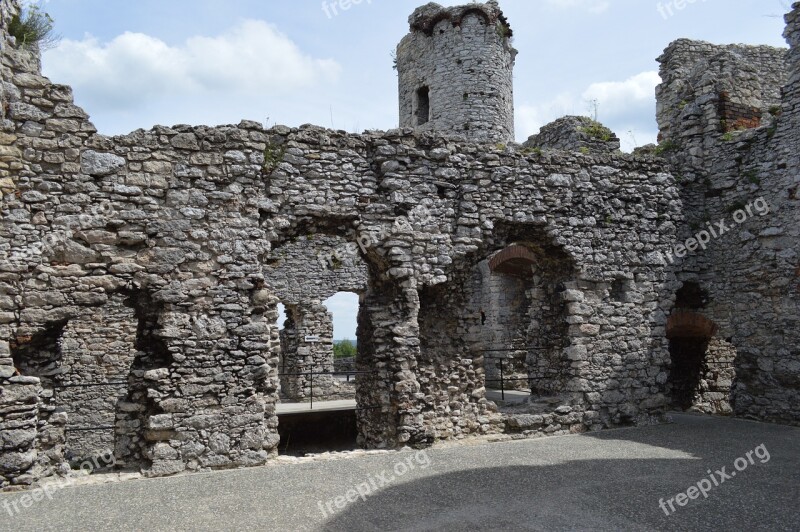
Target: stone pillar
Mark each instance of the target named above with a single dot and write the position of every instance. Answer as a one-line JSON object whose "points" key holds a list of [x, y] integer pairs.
{"points": [[205, 414], [307, 346], [31, 439], [387, 392]]}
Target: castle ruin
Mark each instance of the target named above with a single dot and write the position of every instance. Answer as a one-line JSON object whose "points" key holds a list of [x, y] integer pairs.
{"points": [[140, 275]]}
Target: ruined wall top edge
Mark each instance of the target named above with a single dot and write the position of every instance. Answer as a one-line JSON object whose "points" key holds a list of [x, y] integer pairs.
{"points": [[8, 8], [441, 145], [685, 52], [425, 18]]}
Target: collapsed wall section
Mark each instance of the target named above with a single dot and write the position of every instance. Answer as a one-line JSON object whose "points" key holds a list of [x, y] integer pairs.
{"points": [[575, 133], [708, 91], [728, 123]]}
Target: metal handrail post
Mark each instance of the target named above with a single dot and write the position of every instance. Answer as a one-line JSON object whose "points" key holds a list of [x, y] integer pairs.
{"points": [[502, 382]]}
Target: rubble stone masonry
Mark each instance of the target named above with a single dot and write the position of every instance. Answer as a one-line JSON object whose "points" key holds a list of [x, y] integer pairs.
{"points": [[140, 275]]}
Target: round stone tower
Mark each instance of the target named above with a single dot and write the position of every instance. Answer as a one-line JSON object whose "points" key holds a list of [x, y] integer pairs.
{"points": [[455, 69]]}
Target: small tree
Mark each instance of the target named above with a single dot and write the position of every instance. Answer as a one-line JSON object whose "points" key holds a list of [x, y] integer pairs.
{"points": [[32, 27], [344, 349]]}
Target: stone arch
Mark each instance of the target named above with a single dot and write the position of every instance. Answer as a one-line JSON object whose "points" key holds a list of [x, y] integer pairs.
{"points": [[480, 13], [314, 260], [687, 324], [702, 367], [36, 351], [513, 260], [427, 26], [457, 321]]}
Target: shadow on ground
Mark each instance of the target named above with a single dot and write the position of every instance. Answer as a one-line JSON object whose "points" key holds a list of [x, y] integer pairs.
{"points": [[605, 494]]}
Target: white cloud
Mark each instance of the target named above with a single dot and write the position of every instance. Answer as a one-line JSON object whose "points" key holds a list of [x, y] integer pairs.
{"points": [[592, 6], [627, 107], [134, 68], [616, 97]]}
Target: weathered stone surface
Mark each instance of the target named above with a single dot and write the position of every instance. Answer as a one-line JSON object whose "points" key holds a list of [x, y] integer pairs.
{"points": [[728, 117], [140, 275], [525, 421], [14, 439], [100, 164], [439, 89], [575, 133]]}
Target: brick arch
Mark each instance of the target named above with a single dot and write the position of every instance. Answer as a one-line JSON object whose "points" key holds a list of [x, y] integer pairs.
{"points": [[473, 11], [512, 260], [428, 26], [685, 324]]}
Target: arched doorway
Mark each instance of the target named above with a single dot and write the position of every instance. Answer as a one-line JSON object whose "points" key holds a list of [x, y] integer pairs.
{"points": [[503, 305], [331, 304], [702, 364]]}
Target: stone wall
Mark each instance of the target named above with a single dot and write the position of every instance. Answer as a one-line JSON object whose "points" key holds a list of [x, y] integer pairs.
{"points": [[455, 72], [97, 350], [31, 431], [731, 172], [188, 217], [195, 234], [315, 267], [575, 133]]}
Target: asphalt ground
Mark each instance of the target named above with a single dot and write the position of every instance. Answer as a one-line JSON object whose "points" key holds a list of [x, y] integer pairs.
{"points": [[611, 480]]}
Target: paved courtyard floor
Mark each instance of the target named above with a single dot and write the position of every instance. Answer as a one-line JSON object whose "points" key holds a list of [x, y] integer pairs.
{"points": [[743, 476]]}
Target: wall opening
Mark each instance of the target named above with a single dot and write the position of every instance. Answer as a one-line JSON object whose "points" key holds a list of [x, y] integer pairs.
{"points": [[423, 106], [319, 347], [136, 407], [39, 354], [702, 368], [505, 281], [529, 319], [687, 356], [344, 306], [505, 311], [304, 272], [691, 297]]}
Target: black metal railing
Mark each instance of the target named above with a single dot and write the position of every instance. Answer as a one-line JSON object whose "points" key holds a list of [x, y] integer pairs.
{"points": [[311, 374], [503, 379], [502, 359]]}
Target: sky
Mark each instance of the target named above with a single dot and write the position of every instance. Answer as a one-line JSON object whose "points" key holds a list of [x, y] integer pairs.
{"points": [[135, 64]]}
